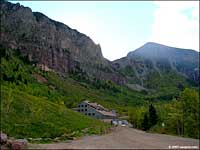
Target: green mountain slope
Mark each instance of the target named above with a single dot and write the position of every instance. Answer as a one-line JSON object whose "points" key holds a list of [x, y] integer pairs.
{"points": [[25, 116], [30, 109], [35, 103]]}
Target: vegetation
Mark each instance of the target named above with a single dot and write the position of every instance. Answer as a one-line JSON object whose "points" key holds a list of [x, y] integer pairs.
{"points": [[31, 109], [145, 122], [153, 118], [22, 89], [27, 116], [38, 104], [178, 117], [143, 118]]}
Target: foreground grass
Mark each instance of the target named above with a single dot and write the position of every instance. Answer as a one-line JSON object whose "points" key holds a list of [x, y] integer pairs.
{"points": [[27, 116]]}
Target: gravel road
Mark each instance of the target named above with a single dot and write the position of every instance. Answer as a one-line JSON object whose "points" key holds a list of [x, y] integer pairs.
{"points": [[125, 138]]}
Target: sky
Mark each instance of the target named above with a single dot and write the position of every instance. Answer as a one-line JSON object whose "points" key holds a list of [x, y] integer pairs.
{"points": [[123, 26]]}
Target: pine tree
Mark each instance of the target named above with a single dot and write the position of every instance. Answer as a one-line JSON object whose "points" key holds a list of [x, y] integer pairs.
{"points": [[153, 118], [145, 123]]}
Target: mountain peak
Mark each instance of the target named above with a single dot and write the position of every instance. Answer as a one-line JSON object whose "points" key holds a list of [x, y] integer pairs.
{"points": [[154, 45], [156, 50], [151, 43], [160, 58], [150, 49]]}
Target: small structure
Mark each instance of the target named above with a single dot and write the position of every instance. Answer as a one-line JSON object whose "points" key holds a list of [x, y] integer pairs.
{"points": [[95, 110]]}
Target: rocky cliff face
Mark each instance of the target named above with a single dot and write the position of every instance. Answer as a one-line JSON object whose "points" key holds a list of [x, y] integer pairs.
{"points": [[50, 44], [35, 34], [160, 59]]}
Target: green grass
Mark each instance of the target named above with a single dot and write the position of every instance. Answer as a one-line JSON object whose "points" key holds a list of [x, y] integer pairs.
{"points": [[25, 116], [33, 110], [76, 91]]}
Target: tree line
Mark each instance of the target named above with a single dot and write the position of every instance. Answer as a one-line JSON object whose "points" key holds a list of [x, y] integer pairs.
{"points": [[177, 117]]}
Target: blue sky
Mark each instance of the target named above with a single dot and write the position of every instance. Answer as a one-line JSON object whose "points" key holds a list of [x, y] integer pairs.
{"points": [[121, 27]]}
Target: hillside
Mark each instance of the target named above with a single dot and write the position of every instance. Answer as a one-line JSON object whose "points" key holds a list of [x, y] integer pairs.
{"points": [[32, 108], [33, 100], [27, 116]]}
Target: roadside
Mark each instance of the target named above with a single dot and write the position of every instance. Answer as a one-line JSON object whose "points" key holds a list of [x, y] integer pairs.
{"points": [[124, 138]]}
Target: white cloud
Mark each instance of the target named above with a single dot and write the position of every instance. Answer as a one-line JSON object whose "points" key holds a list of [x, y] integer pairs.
{"points": [[173, 27]]}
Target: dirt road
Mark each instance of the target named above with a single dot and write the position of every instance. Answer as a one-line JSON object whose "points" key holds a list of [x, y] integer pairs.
{"points": [[125, 138]]}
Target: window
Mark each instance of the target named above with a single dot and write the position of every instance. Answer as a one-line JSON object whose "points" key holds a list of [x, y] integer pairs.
{"points": [[93, 114], [89, 114], [85, 105], [82, 105], [78, 110], [82, 109], [85, 109]]}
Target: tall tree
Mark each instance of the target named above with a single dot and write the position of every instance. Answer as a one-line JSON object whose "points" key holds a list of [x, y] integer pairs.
{"points": [[145, 122], [190, 108], [153, 117]]}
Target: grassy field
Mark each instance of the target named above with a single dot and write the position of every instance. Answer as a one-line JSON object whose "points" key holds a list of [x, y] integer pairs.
{"points": [[24, 116]]}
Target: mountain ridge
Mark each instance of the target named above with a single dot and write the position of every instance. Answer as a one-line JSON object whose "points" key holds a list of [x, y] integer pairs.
{"points": [[164, 45], [159, 57], [52, 45]]}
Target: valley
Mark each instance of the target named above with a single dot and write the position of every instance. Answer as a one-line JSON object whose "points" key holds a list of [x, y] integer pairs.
{"points": [[48, 68]]}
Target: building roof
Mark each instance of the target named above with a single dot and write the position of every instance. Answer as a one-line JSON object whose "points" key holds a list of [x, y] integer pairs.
{"points": [[107, 113], [99, 108], [96, 106]]}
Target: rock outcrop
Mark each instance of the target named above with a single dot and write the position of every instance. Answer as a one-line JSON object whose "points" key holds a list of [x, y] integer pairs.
{"points": [[52, 45], [19, 144], [11, 143], [3, 138], [43, 40]]}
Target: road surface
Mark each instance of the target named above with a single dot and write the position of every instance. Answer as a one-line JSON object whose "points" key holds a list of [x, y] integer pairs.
{"points": [[125, 138]]}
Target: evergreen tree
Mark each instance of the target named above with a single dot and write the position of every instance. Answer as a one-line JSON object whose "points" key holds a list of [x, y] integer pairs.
{"points": [[153, 117], [145, 123]]}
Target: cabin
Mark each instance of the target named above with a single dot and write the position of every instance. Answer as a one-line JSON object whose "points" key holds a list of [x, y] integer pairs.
{"points": [[95, 110]]}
